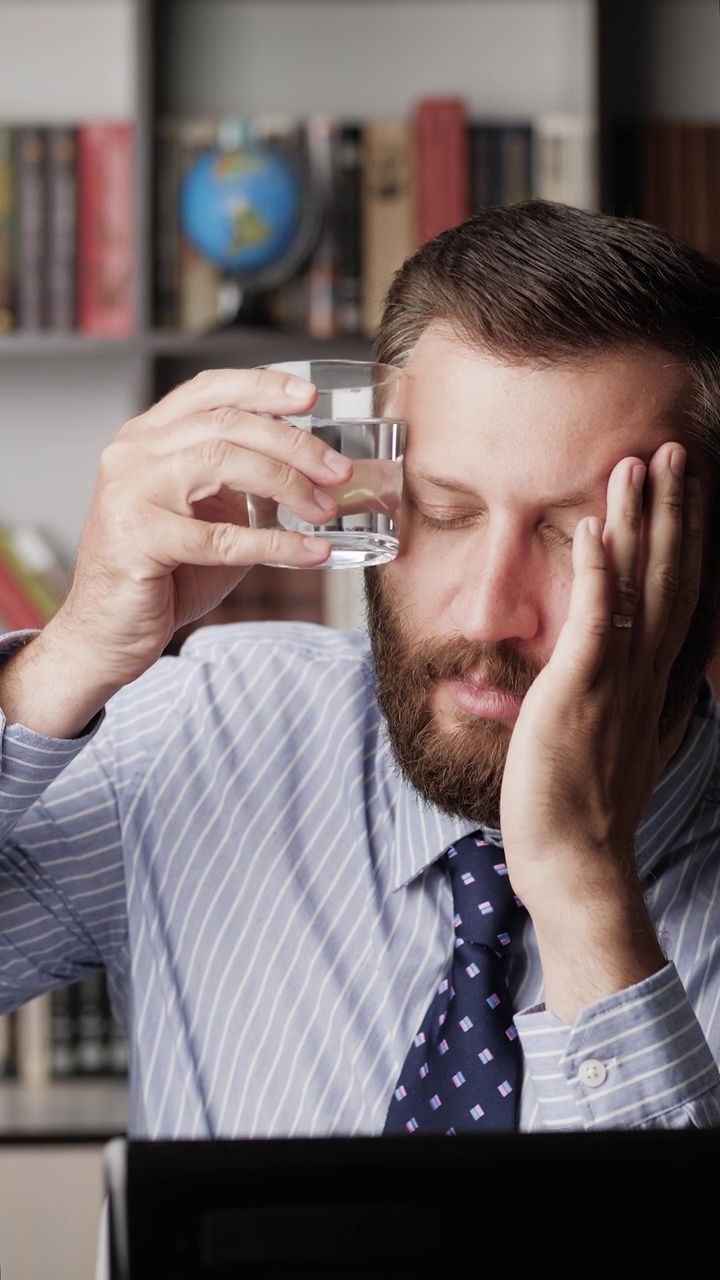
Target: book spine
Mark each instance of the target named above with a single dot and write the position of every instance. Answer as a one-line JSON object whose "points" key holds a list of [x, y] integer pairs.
{"points": [[320, 316], [63, 1034], [442, 165], [31, 241], [166, 225], [486, 180], [106, 253], [388, 210], [515, 163], [32, 583], [565, 150], [347, 226], [62, 230], [199, 280], [7, 231], [17, 607]]}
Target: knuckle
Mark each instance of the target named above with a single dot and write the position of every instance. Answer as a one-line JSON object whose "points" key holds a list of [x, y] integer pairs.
{"points": [[212, 454], [300, 443], [665, 581], [225, 418], [627, 588], [223, 540], [688, 598], [203, 380]]}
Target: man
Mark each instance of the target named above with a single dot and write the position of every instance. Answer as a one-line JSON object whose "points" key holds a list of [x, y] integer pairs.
{"points": [[248, 836]]}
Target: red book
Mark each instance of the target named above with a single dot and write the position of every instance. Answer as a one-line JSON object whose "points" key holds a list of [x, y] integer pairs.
{"points": [[106, 238], [442, 139], [18, 610]]}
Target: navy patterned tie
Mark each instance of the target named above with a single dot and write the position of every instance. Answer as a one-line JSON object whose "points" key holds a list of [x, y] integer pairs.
{"points": [[462, 1071]]}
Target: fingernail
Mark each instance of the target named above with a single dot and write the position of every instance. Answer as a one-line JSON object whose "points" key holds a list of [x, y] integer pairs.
{"points": [[315, 545], [593, 526], [324, 500], [335, 462], [638, 476], [298, 389], [677, 462]]}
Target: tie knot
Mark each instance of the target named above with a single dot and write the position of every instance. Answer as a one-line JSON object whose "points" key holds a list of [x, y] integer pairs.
{"points": [[484, 904]]}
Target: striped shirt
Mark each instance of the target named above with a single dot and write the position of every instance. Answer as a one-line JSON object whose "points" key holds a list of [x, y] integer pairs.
{"points": [[235, 845]]}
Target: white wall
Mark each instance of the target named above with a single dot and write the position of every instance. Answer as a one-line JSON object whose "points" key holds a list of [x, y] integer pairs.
{"points": [[374, 57]]}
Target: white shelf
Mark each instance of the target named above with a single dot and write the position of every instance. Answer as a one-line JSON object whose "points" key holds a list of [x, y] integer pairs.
{"points": [[82, 1110]]}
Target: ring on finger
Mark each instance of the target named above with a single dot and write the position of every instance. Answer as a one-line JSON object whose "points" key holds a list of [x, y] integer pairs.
{"points": [[621, 620]]}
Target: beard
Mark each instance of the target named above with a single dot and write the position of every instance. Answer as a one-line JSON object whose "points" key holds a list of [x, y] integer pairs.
{"points": [[460, 770]]}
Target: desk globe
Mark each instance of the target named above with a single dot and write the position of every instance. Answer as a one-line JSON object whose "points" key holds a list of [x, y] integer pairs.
{"points": [[243, 210]]}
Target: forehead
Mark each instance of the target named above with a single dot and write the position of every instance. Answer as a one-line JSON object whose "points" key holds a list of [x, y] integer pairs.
{"points": [[471, 414]]}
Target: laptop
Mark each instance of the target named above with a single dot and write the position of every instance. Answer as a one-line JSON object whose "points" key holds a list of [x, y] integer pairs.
{"points": [[432, 1206]]}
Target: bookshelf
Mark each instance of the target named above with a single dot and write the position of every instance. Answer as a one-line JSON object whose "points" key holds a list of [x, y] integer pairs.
{"points": [[64, 395]]}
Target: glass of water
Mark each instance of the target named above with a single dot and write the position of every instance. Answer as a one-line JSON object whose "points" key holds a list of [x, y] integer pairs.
{"points": [[358, 412]]}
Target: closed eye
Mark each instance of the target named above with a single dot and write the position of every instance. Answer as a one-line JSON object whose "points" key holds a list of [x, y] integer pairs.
{"points": [[448, 522], [552, 536]]}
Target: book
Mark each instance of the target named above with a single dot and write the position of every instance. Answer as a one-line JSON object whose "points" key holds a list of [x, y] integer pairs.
{"points": [[29, 165], [321, 270], [61, 227], [106, 230], [166, 225], [200, 282], [39, 572], [346, 171], [516, 163], [18, 609], [565, 163], [442, 159], [7, 220], [387, 210]]}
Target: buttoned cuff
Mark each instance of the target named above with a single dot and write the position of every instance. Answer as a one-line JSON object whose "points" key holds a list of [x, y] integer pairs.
{"points": [[29, 762], [630, 1059]]}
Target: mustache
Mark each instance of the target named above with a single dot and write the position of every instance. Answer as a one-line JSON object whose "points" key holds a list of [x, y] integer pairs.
{"points": [[498, 665]]}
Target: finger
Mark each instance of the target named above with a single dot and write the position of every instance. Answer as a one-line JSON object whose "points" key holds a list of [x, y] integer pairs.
{"points": [[192, 475], [260, 390], [689, 576], [186, 541], [664, 538], [622, 542], [582, 641]]}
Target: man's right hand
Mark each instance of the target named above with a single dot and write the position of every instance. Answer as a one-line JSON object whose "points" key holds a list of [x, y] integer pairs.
{"points": [[167, 537]]}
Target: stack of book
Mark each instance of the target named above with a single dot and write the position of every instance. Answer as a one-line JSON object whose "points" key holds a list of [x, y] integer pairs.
{"points": [[67, 228], [386, 186], [33, 577]]}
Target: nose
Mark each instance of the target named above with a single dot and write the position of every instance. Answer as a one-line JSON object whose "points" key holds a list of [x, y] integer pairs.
{"points": [[499, 589]]}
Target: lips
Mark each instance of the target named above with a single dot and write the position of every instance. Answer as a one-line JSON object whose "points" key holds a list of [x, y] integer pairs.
{"points": [[479, 697]]}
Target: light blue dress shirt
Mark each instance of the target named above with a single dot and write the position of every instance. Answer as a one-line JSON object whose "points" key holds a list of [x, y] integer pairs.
{"points": [[234, 843]]}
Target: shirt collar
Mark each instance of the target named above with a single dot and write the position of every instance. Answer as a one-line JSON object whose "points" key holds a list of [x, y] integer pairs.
{"points": [[423, 832]]}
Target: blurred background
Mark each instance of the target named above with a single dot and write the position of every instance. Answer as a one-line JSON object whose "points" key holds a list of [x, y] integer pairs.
{"points": [[195, 183]]}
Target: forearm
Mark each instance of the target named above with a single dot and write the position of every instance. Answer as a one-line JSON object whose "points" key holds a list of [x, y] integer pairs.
{"points": [[49, 685]]}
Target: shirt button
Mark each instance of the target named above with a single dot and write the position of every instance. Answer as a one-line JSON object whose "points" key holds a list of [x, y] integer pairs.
{"points": [[592, 1073]]}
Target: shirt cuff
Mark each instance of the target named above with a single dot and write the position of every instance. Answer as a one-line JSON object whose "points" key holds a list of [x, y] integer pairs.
{"points": [[29, 762], [629, 1059]]}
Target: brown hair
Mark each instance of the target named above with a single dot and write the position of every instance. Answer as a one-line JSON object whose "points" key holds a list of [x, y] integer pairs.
{"points": [[538, 281]]}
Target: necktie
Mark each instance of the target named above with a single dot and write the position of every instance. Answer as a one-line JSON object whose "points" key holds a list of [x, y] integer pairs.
{"points": [[462, 1069]]}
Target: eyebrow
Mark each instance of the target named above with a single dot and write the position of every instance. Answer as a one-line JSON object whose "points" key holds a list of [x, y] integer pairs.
{"points": [[453, 485]]}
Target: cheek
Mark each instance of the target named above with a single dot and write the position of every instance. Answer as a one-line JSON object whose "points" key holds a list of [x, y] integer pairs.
{"points": [[556, 601]]}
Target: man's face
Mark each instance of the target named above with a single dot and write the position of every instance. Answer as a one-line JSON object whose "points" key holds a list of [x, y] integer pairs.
{"points": [[502, 462]]}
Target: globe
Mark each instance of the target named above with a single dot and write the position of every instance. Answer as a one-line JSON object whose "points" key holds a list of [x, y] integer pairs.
{"points": [[242, 210]]}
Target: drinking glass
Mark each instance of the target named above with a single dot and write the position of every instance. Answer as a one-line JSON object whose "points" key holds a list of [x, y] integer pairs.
{"points": [[357, 412]]}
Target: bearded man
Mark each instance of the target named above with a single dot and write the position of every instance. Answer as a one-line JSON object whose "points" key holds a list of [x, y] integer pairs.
{"points": [[255, 838]]}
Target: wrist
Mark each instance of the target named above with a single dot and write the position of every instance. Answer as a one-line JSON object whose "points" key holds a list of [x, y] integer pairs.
{"points": [[595, 938], [47, 685]]}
